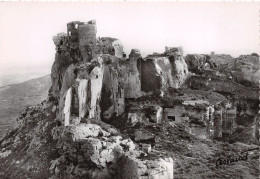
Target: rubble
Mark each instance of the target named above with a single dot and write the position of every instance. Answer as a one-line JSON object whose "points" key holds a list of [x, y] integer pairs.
{"points": [[5, 153]]}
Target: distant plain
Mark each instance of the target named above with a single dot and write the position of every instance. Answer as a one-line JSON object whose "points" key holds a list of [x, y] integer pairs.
{"points": [[16, 96]]}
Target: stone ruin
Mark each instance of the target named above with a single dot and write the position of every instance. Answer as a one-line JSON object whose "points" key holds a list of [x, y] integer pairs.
{"points": [[109, 115], [92, 78]]}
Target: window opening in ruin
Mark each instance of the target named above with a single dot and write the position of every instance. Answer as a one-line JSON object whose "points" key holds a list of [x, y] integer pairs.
{"points": [[172, 118], [69, 33], [76, 26]]}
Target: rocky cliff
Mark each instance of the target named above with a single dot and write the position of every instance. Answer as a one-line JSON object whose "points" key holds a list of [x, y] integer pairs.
{"points": [[88, 87], [109, 116], [91, 79], [198, 62], [247, 70]]}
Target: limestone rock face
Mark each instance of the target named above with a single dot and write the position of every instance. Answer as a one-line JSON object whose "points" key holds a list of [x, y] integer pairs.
{"points": [[154, 72], [112, 93], [197, 62], [132, 167], [244, 69], [93, 90], [133, 76], [163, 72], [83, 131], [247, 69], [179, 71], [88, 145], [62, 61], [91, 79]]}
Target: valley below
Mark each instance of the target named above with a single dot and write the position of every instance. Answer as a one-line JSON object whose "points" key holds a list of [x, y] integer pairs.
{"points": [[14, 98]]}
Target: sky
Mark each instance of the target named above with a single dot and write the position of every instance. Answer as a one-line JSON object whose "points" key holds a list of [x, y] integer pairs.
{"points": [[202, 27]]}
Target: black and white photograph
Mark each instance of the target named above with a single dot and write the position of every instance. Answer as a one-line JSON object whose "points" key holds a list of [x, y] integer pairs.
{"points": [[129, 90]]}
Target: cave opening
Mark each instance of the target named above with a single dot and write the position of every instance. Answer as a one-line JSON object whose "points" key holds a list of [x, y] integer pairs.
{"points": [[171, 118]]}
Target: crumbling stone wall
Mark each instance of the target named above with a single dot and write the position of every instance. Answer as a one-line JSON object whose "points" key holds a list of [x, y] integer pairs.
{"points": [[111, 46]]}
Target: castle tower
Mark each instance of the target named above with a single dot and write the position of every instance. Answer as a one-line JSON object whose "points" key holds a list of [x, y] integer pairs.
{"points": [[87, 40], [82, 36], [72, 32]]}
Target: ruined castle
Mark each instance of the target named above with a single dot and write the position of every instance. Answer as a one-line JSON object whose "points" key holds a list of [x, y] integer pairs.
{"points": [[109, 115], [92, 78]]}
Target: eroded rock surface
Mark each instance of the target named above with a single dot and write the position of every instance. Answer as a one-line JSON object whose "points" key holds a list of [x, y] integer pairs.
{"points": [[197, 62], [92, 88], [109, 116]]}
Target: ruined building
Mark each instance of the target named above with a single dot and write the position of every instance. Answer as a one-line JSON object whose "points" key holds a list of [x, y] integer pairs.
{"points": [[91, 79], [109, 116], [94, 79]]}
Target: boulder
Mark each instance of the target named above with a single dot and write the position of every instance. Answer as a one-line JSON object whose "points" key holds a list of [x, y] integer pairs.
{"points": [[198, 62], [247, 70], [83, 131], [142, 135]]}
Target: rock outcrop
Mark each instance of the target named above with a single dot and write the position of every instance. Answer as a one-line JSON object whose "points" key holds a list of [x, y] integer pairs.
{"points": [[157, 72], [91, 79], [196, 62], [247, 70], [244, 69], [109, 116]]}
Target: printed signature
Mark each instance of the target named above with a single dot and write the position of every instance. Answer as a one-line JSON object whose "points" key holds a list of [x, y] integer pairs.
{"points": [[243, 156]]}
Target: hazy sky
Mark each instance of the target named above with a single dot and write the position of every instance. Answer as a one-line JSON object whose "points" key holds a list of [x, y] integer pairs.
{"points": [[27, 28]]}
